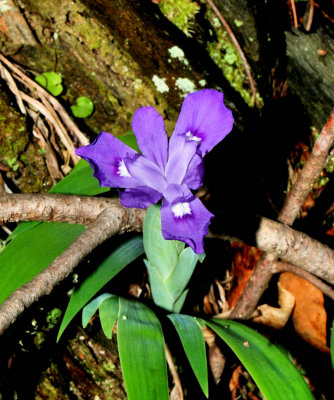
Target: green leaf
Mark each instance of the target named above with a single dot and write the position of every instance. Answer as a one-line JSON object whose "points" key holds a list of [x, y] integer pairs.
{"points": [[80, 182], [169, 264], [193, 343], [83, 108], [108, 311], [142, 352], [272, 371], [111, 266], [31, 252], [129, 139], [34, 245], [51, 81], [90, 309], [332, 344], [161, 253]]}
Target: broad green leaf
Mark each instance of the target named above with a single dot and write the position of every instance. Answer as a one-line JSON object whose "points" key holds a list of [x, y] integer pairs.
{"points": [[108, 311], [111, 266], [161, 253], [34, 245], [31, 252], [193, 343], [142, 352], [272, 371], [332, 344], [80, 182], [160, 293], [90, 309], [51, 81], [130, 140], [83, 108], [178, 280]]}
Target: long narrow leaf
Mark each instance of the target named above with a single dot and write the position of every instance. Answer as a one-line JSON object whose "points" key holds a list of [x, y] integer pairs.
{"points": [[111, 266], [272, 371], [108, 311], [142, 352], [92, 307], [192, 340], [26, 256]]}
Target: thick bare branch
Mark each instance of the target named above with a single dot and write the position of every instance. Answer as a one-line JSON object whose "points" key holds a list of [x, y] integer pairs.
{"points": [[112, 220], [296, 248], [53, 207], [261, 276]]}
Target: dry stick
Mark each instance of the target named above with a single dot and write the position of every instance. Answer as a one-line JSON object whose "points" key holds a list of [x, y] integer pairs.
{"points": [[237, 46], [59, 129], [174, 373], [12, 86], [261, 275], [57, 208], [279, 266], [43, 94], [295, 247], [110, 222], [294, 12], [310, 17]]}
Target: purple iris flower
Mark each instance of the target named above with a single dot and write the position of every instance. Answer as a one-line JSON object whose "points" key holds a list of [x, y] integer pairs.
{"points": [[165, 170]]}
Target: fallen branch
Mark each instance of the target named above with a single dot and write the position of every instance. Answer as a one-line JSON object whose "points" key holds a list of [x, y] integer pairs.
{"points": [[262, 274], [111, 221]]}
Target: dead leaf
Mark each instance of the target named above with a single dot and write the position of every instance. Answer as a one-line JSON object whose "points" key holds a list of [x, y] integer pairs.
{"points": [[309, 315], [234, 384], [243, 263], [216, 358], [273, 316]]}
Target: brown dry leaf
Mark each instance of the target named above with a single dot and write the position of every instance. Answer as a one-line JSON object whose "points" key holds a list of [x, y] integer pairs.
{"points": [[216, 358], [234, 384], [243, 263], [273, 316], [309, 315]]}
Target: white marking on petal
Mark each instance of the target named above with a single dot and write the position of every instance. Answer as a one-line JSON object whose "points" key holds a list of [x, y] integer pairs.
{"points": [[190, 136], [122, 170], [181, 209]]}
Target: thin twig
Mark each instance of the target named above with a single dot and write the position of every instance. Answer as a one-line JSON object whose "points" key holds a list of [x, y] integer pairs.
{"points": [[175, 375], [285, 267], [294, 13], [109, 223], [238, 47], [310, 16]]}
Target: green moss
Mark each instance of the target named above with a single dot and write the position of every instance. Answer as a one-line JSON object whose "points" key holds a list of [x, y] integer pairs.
{"points": [[181, 13], [226, 56]]}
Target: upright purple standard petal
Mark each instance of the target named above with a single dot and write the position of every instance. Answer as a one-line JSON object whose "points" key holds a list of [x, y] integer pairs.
{"points": [[106, 156], [149, 128], [179, 159], [185, 218], [204, 119]]}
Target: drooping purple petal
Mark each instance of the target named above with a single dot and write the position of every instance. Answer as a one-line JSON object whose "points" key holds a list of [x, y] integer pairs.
{"points": [[185, 218], [106, 156], [146, 172], [204, 118], [179, 159], [195, 172], [149, 128], [139, 197]]}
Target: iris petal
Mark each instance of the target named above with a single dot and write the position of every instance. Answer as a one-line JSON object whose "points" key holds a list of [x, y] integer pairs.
{"points": [[185, 219], [149, 128], [139, 197], [203, 118], [146, 172], [106, 156], [195, 172], [179, 159]]}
